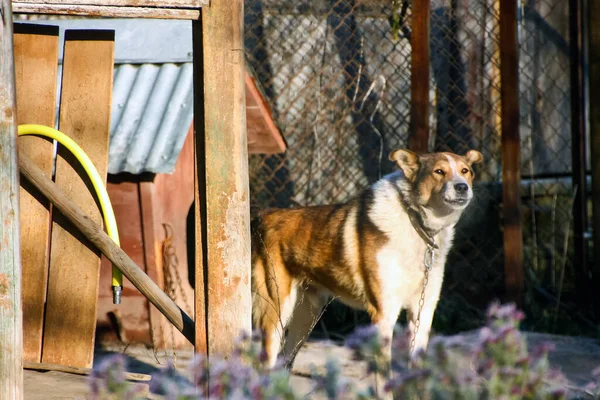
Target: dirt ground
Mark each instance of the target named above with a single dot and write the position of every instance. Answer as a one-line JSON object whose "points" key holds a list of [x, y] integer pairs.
{"points": [[575, 357]]}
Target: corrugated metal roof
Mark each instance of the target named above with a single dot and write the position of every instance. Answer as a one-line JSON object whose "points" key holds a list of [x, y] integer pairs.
{"points": [[151, 115], [152, 103]]}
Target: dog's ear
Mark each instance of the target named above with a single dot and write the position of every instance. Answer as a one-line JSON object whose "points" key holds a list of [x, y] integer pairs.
{"points": [[407, 161], [473, 157]]}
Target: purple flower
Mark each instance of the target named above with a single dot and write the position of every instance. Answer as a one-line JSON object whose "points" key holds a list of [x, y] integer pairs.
{"points": [[596, 373], [108, 376]]}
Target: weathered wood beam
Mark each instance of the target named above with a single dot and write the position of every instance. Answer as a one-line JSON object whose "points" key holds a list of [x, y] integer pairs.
{"points": [[223, 220], [36, 67], [201, 345], [419, 77], [11, 319], [106, 11], [511, 152]]}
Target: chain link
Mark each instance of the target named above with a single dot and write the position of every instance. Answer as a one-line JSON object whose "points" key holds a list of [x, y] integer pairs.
{"points": [[429, 258], [315, 63]]}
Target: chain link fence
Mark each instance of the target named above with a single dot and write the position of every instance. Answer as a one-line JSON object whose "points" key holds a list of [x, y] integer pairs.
{"points": [[338, 82]]}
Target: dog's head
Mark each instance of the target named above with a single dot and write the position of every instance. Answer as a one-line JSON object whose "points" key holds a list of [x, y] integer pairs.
{"points": [[439, 180]]}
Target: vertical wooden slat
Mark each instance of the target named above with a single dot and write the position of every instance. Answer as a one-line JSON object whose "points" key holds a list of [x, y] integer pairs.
{"points": [[419, 78], [36, 66], [11, 322], [173, 210], [227, 238], [578, 152], [200, 295], [74, 263], [151, 252], [511, 154], [593, 16]]}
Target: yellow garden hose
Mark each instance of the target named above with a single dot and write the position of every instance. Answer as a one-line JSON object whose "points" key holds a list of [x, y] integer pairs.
{"points": [[109, 216]]}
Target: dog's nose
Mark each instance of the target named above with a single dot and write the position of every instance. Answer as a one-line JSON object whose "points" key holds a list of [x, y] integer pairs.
{"points": [[461, 188]]}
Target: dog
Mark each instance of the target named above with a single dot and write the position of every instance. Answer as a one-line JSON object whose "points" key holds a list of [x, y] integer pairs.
{"points": [[371, 253]]}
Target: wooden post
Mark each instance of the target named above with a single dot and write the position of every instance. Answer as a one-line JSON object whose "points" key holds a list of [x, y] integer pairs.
{"points": [[201, 345], [594, 115], [578, 154], [11, 319], [222, 155], [511, 152], [419, 79]]}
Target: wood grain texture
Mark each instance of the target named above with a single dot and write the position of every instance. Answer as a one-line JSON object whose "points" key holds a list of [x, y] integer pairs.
{"points": [[132, 313], [511, 152], [105, 244], [128, 3], [107, 11], [74, 264], [263, 135], [151, 259], [201, 288], [11, 321], [79, 371], [36, 66], [419, 77], [173, 210], [227, 239]]}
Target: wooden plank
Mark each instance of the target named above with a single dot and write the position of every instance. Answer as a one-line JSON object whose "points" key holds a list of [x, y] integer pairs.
{"points": [[419, 77], [151, 257], [36, 67], [174, 210], [107, 246], [126, 3], [594, 116], [74, 263], [130, 376], [131, 317], [200, 284], [227, 239], [263, 135], [511, 152], [11, 320], [578, 155], [107, 11]]}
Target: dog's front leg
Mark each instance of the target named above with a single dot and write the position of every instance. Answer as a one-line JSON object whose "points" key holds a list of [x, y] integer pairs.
{"points": [[431, 296], [385, 323]]}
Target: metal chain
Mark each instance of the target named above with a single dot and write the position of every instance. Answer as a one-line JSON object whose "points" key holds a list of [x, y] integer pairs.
{"points": [[429, 258], [172, 278], [173, 281]]}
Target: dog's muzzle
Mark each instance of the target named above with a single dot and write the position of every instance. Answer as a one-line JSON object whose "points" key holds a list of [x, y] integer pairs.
{"points": [[457, 194]]}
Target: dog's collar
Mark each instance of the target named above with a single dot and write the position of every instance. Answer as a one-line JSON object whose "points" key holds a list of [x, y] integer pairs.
{"points": [[417, 222], [426, 234]]}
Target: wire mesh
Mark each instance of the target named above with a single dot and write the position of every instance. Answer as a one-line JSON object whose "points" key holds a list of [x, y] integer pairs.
{"points": [[338, 82]]}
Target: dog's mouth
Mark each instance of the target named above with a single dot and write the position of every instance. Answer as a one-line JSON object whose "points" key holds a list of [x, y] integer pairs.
{"points": [[457, 202]]}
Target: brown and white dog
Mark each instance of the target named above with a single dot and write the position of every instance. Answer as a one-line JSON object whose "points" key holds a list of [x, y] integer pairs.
{"points": [[369, 252]]}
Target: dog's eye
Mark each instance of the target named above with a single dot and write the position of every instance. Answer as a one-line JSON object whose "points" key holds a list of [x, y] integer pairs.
{"points": [[465, 170], [439, 172]]}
